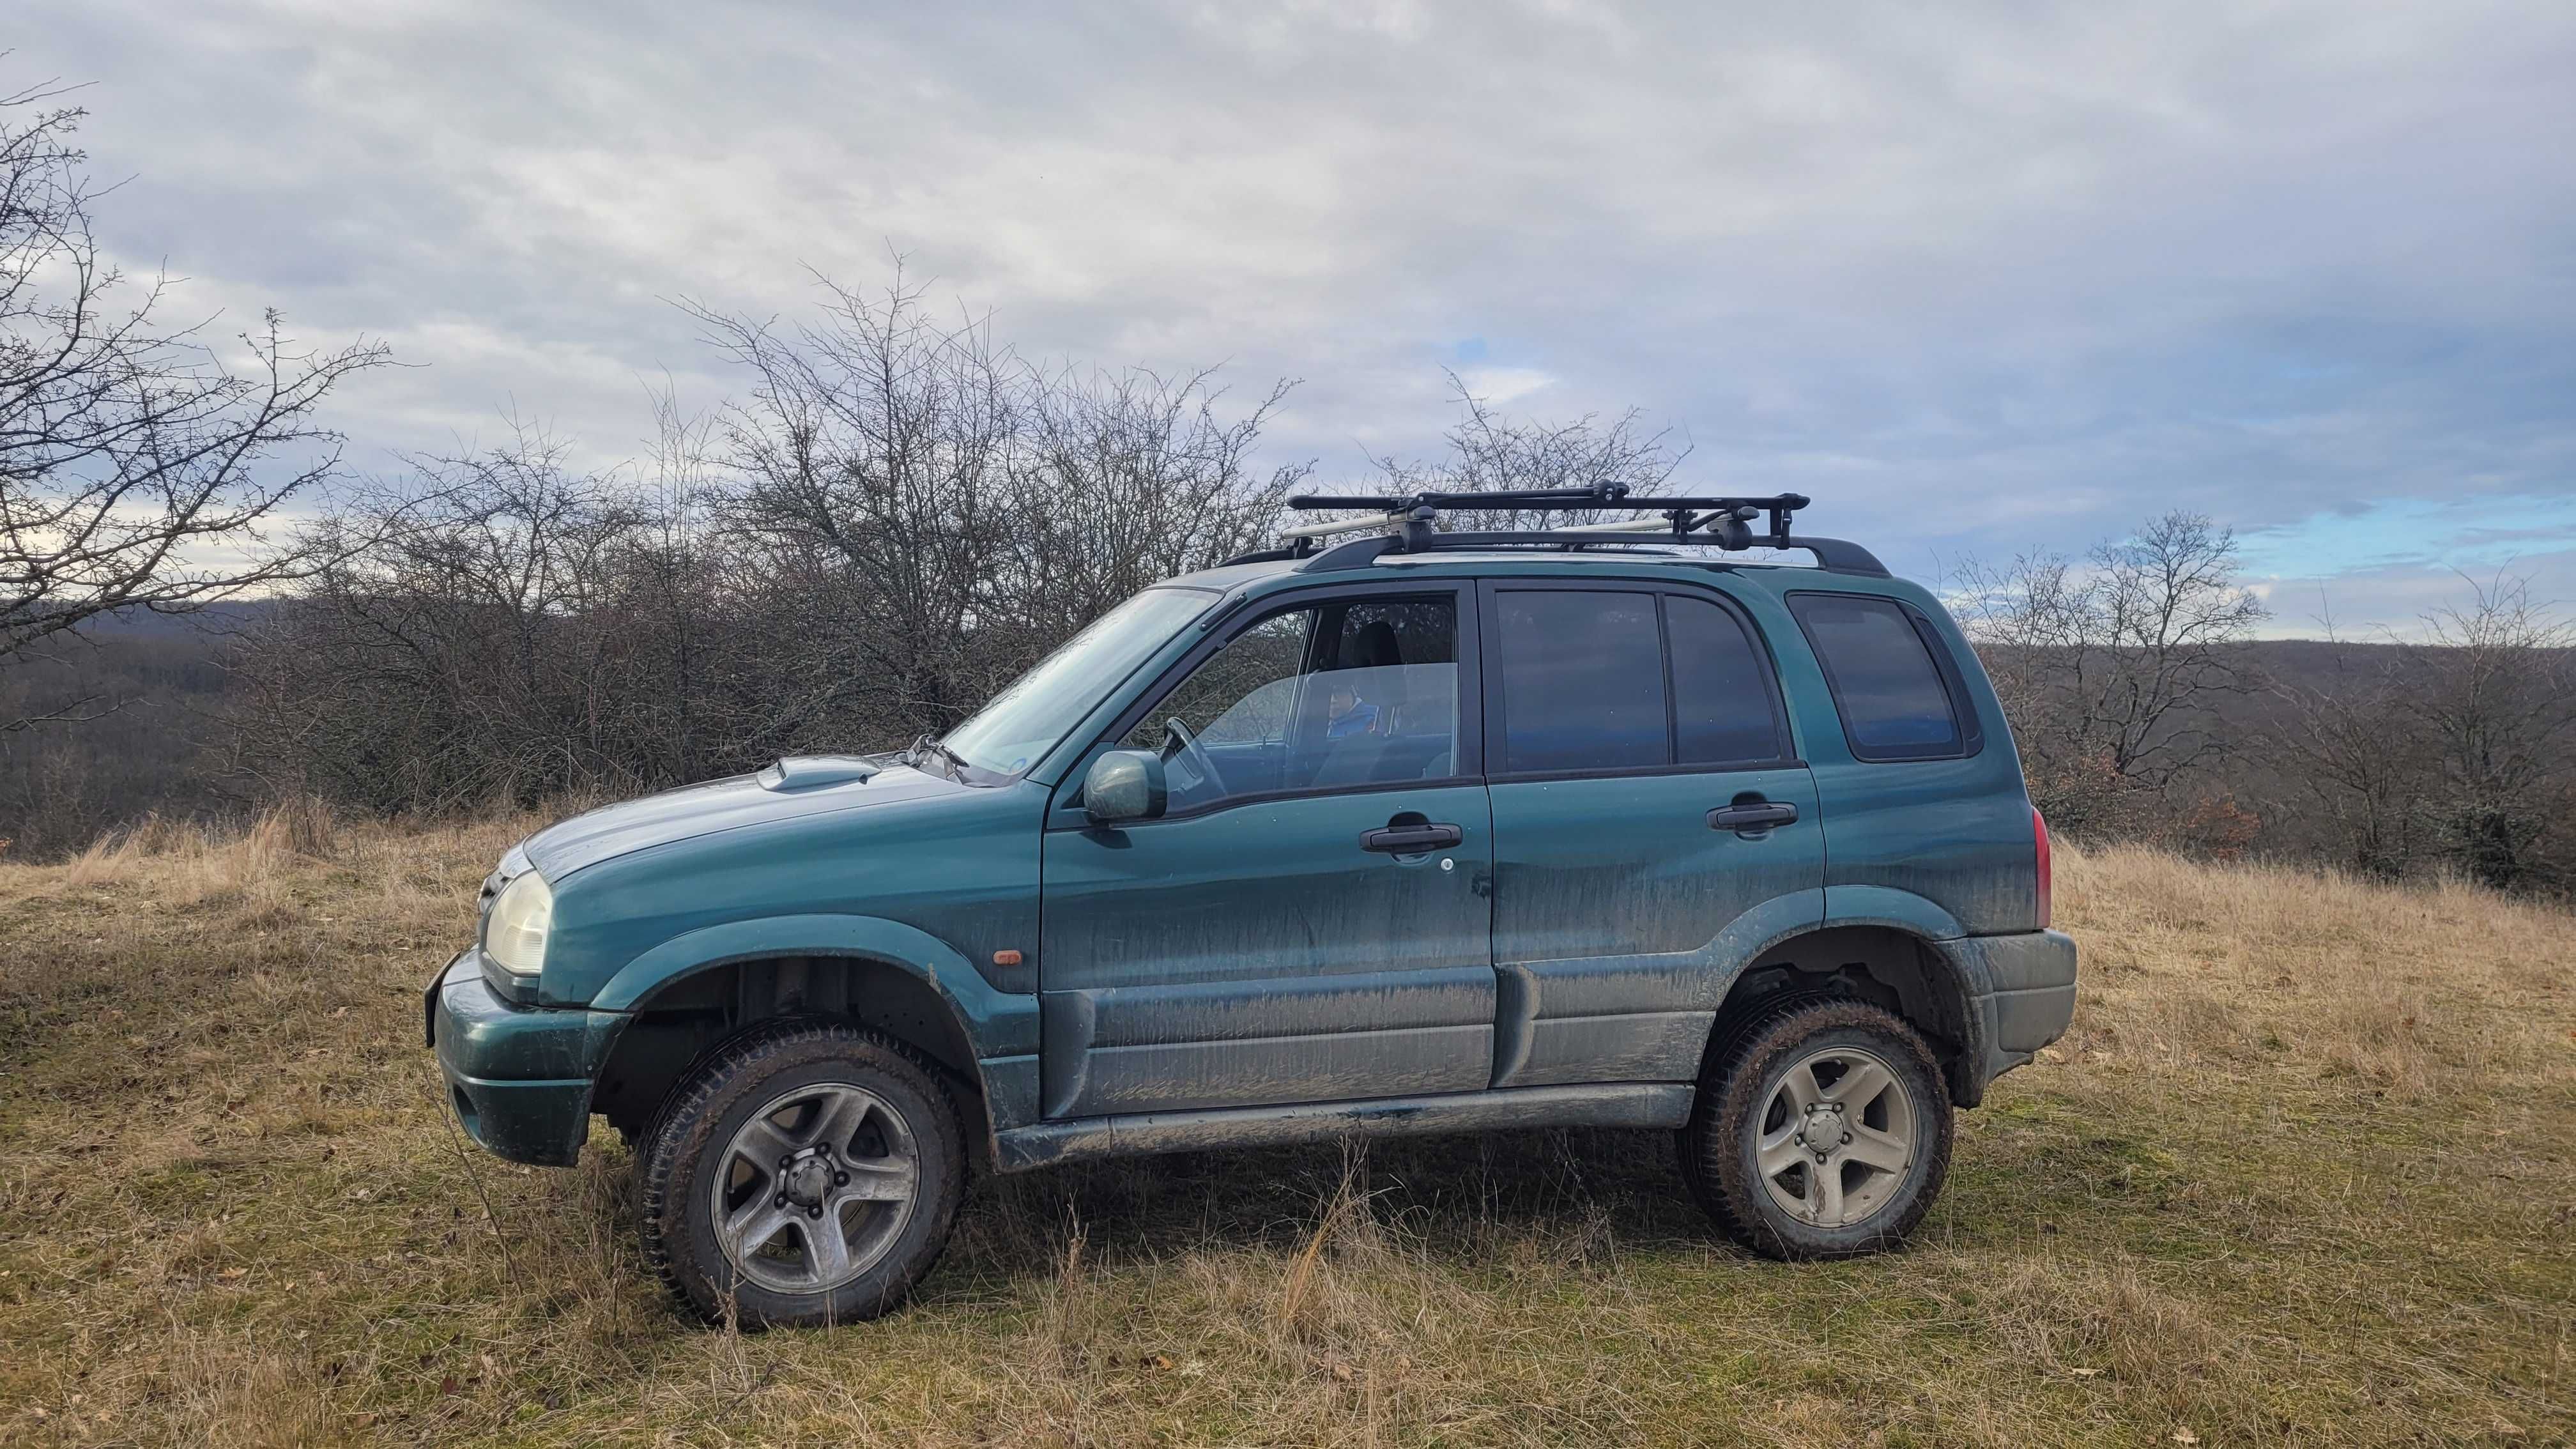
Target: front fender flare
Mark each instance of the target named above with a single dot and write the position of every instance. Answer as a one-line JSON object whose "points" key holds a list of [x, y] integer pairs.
{"points": [[994, 1023]]}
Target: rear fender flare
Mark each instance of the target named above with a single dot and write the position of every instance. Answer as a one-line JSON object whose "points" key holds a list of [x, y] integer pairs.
{"points": [[1952, 950]]}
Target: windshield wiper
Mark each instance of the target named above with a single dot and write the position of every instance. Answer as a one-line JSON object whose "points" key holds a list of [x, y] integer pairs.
{"points": [[923, 746]]}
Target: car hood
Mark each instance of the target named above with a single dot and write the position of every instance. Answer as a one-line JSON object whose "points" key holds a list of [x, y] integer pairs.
{"points": [[793, 787]]}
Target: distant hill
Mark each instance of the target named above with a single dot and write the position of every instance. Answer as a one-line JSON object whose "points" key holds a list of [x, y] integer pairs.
{"points": [[159, 677]]}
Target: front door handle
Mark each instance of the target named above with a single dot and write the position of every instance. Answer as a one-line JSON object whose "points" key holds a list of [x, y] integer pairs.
{"points": [[1753, 815], [1411, 839]]}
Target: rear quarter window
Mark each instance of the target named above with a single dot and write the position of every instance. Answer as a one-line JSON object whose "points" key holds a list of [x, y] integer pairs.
{"points": [[1896, 690]]}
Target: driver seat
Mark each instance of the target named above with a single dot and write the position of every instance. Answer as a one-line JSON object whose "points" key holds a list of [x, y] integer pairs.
{"points": [[1356, 759]]}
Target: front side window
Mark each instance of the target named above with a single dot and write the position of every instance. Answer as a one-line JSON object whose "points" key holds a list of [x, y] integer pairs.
{"points": [[1025, 720], [1894, 703], [1329, 696]]}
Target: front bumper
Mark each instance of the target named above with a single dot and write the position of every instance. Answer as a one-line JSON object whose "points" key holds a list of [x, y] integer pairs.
{"points": [[519, 1077]]}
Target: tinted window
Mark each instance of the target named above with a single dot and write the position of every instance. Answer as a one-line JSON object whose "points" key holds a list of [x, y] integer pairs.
{"points": [[1424, 630], [1893, 702], [1722, 709], [1321, 698], [1583, 681]]}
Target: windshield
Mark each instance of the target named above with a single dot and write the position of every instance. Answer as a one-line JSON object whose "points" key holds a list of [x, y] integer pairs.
{"points": [[1024, 721]]}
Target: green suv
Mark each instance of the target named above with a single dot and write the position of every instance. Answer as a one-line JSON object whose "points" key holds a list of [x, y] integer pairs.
{"points": [[1421, 831]]}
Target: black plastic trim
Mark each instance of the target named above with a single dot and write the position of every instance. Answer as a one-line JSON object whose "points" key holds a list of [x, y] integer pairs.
{"points": [[1266, 797], [1628, 772], [1260, 555], [1753, 815], [1412, 839]]}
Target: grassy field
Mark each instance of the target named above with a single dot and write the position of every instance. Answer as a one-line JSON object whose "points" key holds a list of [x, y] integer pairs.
{"points": [[2304, 1172]]}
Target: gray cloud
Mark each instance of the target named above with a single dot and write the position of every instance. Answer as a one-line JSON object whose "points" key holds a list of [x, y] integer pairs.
{"points": [[1988, 277]]}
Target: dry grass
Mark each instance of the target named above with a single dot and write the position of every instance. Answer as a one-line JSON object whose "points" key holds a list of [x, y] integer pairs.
{"points": [[2303, 1173]]}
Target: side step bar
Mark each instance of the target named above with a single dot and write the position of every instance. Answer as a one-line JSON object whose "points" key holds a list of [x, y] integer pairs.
{"points": [[1648, 1104]]}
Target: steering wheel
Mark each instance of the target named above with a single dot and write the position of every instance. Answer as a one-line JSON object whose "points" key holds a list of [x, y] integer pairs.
{"points": [[1179, 742]]}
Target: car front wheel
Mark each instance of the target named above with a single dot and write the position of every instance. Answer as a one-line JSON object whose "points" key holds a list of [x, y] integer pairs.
{"points": [[807, 1175], [1821, 1131]]}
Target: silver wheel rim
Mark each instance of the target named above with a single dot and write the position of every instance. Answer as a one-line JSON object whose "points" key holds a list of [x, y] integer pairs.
{"points": [[814, 1189], [1836, 1138]]}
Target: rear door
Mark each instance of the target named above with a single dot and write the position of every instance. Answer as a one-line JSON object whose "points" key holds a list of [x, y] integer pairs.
{"points": [[1647, 795], [1308, 921]]}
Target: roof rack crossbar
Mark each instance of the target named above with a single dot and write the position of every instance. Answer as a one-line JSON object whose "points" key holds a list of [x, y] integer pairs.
{"points": [[1833, 555]]}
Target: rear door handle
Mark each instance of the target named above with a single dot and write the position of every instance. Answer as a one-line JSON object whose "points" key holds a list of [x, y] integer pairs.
{"points": [[1410, 839], [1757, 815]]}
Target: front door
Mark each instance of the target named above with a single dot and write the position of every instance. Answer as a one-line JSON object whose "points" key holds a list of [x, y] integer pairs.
{"points": [[1646, 797], [1309, 919]]}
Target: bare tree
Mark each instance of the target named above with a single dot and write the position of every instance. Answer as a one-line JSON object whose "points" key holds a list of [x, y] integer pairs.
{"points": [[2107, 667], [2358, 760], [137, 465], [444, 653], [947, 512], [2492, 687], [874, 470], [2453, 749], [899, 518], [1489, 452], [1123, 479]]}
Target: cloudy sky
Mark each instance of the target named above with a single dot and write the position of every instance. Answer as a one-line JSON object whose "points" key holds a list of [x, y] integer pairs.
{"points": [[1981, 278]]}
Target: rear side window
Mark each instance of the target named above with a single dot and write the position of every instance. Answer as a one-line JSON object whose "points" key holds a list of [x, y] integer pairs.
{"points": [[1631, 680], [1895, 699], [1722, 703], [1583, 681]]}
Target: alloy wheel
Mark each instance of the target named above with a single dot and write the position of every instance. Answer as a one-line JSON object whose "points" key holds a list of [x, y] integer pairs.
{"points": [[1836, 1137], [815, 1188]]}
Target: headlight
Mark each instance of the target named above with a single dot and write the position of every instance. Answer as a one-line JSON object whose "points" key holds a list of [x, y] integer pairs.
{"points": [[515, 936]]}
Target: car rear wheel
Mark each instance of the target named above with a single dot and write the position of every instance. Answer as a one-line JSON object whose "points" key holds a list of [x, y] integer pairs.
{"points": [[1821, 1131], [806, 1175]]}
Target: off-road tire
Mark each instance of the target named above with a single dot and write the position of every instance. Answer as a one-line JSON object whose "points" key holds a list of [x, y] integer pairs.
{"points": [[1736, 1086], [692, 1131]]}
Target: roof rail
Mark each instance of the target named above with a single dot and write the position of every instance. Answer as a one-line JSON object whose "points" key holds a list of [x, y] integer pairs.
{"points": [[1405, 525]]}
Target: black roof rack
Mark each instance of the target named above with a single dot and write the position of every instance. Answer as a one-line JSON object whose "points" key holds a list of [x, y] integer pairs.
{"points": [[1724, 522]]}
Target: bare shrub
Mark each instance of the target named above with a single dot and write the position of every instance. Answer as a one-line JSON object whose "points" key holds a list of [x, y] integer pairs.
{"points": [[2107, 668], [500, 629], [2452, 751], [899, 518]]}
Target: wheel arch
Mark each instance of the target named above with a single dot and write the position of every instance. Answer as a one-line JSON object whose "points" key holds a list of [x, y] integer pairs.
{"points": [[1923, 979], [691, 995]]}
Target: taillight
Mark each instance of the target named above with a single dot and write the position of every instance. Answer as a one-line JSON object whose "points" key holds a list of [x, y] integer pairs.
{"points": [[2039, 838]]}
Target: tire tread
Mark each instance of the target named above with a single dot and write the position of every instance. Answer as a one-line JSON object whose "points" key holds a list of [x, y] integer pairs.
{"points": [[684, 1115], [1734, 1073]]}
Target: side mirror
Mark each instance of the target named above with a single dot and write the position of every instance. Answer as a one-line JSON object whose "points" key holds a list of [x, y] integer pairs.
{"points": [[1124, 785]]}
